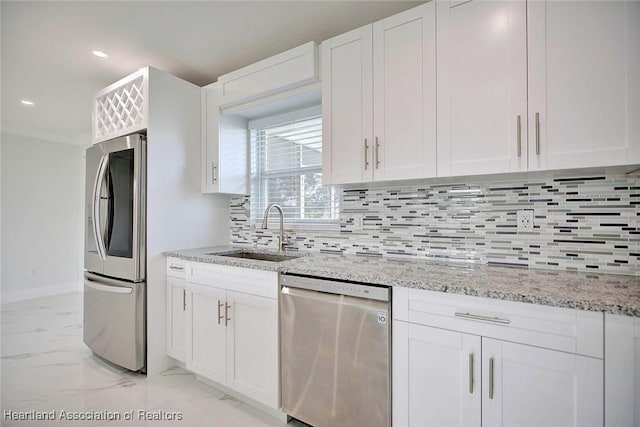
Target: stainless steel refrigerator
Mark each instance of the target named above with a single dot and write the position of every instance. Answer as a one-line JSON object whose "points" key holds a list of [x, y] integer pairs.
{"points": [[115, 251]]}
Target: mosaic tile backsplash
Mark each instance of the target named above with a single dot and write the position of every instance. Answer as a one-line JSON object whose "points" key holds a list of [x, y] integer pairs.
{"points": [[582, 224]]}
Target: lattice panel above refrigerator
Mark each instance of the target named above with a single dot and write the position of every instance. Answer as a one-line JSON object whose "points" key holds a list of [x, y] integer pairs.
{"points": [[120, 109]]}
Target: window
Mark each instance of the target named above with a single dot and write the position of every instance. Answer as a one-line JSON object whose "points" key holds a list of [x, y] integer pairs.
{"points": [[286, 168]]}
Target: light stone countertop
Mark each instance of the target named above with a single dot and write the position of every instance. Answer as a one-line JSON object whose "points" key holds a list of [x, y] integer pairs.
{"points": [[207, 255], [609, 293]]}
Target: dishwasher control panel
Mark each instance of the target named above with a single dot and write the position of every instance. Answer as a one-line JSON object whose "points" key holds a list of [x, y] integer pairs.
{"points": [[379, 293]]}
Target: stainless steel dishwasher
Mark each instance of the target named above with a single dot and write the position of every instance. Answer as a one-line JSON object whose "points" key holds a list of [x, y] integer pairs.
{"points": [[335, 352]]}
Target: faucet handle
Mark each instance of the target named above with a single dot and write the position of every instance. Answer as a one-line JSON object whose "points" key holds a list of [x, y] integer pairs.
{"points": [[283, 242]]}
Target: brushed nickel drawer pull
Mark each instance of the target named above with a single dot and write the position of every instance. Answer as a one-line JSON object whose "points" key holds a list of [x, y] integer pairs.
{"points": [[519, 130], [226, 314], [366, 155], [471, 373], [491, 384], [220, 316], [176, 267], [538, 134], [484, 318]]}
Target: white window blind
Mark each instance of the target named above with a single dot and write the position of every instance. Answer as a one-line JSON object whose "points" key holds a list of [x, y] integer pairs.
{"points": [[286, 168]]}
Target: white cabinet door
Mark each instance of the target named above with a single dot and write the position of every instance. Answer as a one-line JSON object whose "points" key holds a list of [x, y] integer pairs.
{"points": [[482, 87], [530, 386], [208, 355], [436, 375], [347, 100], [404, 81], [224, 147], [584, 83], [622, 370], [176, 318], [252, 347]]}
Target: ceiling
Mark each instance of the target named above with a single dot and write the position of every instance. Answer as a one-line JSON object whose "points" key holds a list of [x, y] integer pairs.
{"points": [[46, 48]]}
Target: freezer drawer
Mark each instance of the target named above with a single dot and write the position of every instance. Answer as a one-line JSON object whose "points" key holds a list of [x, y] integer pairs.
{"points": [[114, 323]]}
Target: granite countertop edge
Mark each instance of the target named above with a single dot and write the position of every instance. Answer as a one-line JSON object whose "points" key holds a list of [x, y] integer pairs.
{"points": [[609, 293]]}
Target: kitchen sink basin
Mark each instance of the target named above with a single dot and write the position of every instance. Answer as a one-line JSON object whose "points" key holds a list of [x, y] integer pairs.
{"points": [[257, 256]]}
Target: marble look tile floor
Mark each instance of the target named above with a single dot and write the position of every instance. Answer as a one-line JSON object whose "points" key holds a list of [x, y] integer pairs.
{"points": [[46, 367]]}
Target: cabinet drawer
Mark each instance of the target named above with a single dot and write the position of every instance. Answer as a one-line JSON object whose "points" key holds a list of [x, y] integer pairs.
{"points": [[570, 330], [245, 280], [176, 267]]}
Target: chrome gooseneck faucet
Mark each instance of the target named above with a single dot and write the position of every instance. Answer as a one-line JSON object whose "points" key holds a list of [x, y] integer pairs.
{"points": [[265, 222]]}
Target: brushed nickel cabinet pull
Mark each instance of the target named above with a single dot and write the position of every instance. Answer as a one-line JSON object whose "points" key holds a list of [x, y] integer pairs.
{"points": [[377, 153], [220, 316], [366, 155], [538, 134], [519, 131], [184, 300], [483, 318], [213, 172], [226, 314], [491, 385], [471, 373], [176, 267]]}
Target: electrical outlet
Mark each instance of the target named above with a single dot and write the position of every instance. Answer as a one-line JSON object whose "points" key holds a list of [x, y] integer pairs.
{"points": [[524, 218], [357, 221]]}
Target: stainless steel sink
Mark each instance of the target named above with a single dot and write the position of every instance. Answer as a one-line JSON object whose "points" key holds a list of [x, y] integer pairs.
{"points": [[257, 256]]}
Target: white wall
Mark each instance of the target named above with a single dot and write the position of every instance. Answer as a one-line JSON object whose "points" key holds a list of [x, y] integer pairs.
{"points": [[41, 217], [178, 214]]}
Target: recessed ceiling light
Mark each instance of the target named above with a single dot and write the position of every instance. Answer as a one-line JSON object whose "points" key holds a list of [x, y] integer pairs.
{"points": [[99, 53], [27, 102]]}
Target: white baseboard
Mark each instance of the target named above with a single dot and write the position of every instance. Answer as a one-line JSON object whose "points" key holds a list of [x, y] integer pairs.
{"points": [[8, 297]]}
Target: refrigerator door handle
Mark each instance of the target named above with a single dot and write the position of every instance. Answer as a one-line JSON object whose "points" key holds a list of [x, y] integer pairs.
{"points": [[101, 282], [97, 189]]}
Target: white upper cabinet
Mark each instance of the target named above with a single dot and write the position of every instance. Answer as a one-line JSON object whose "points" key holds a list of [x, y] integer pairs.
{"points": [[584, 83], [404, 95], [285, 81], [378, 100], [287, 70], [535, 85], [482, 87], [224, 147], [347, 99]]}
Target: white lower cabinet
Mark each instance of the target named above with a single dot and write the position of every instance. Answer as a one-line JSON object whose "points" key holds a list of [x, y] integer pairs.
{"points": [[176, 309], [467, 371], [230, 328], [176, 318], [252, 347], [527, 386], [207, 353], [622, 371], [436, 377]]}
